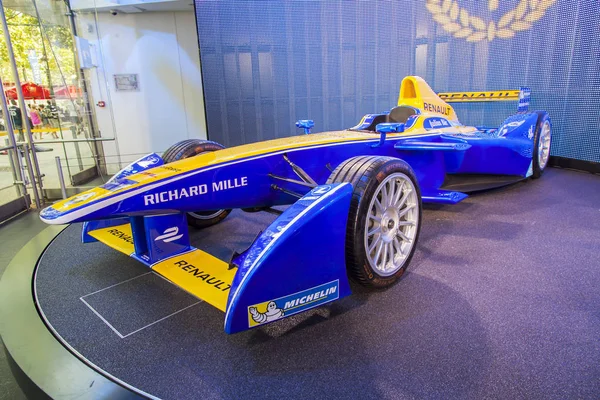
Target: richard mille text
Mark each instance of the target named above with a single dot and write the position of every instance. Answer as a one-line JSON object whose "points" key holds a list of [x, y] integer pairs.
{"points": [[192, 191]]}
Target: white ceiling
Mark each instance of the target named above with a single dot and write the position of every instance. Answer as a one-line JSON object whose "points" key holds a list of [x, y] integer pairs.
{"points": [[132, 6], [53, 10]]}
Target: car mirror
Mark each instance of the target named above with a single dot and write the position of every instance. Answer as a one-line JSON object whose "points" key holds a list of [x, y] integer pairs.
{"points": [[385, 128], [390, 127], [305, 124]]}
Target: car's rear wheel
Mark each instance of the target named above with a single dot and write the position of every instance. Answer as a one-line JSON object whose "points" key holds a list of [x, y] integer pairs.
{"points": [[190, 148], [542, 139], [384, 219]]}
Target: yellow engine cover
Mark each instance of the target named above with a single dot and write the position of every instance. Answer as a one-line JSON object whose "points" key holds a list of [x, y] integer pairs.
{"points": [[415, 92]]}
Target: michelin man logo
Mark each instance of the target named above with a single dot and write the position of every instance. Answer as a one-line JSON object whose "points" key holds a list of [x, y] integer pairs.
{"points": [[271, 314], [275, 309], [456, 19]]}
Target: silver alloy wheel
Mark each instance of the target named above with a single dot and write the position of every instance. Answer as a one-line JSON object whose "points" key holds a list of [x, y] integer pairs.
{"points": [[544, 145], [391, 224], [208, 216]]}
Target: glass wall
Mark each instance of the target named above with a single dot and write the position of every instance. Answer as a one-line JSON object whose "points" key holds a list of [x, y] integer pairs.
{"points": [[16, 171], [65, 118], [51, 63], [13, 169]]}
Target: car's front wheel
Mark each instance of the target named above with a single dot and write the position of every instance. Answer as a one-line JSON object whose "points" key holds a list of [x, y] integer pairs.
{"points": [[190, 148], [384, 219]]}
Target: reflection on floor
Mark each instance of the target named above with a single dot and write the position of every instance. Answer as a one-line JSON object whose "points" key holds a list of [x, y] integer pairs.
{"points": [[13, 236]]}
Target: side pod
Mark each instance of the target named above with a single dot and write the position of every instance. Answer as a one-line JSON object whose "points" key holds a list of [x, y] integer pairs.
{"points": [[296, 264]]}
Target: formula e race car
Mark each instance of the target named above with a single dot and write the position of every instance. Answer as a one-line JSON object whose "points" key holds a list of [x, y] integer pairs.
{"points": [[355, 201]]}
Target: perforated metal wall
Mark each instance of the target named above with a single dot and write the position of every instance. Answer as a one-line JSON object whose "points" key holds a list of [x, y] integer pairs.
{"points": [[267, 64]]}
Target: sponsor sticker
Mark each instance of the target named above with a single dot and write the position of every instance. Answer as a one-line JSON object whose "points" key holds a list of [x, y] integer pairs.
{"points": [[127, 237], [170, 168], [433, 123], [438, 108], [514, 124], [78, 199], [275, 309], [148, 161], [118, 184], [193, 191], [410, 122], [202, 274], [480, 96], [118, 237], [170, 235], [321, 190], [503, 130]]}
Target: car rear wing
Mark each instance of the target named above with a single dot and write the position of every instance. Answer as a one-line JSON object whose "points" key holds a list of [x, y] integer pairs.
{"points": [[523, 96]]}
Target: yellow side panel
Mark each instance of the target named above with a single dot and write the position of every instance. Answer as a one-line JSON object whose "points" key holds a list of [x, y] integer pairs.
{"points": [[118, 237], [201, 274]]}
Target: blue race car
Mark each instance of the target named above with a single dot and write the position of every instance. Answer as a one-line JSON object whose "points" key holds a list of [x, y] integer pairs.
{"points": [[355, 201]]}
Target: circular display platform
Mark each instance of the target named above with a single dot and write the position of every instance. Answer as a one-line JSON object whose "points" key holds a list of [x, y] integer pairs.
{"points": [[476, 313]]}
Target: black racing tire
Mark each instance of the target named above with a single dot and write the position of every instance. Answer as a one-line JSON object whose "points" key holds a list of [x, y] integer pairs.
{"points": [[368, 176], [190, 148], [538, 167]]}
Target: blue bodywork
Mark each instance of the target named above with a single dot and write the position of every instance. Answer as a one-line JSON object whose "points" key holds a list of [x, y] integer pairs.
{"points": [[504, 151], [298, 261], [283, 259]]}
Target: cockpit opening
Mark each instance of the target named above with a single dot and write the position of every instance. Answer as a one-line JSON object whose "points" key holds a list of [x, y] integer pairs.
{"points": [[399, 114]]}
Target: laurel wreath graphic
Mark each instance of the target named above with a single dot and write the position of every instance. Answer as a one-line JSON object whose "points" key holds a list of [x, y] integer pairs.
{"points": [[458, 22]]}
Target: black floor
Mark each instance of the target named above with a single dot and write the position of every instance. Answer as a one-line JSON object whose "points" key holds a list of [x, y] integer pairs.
{"points": [[500, 301]]}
